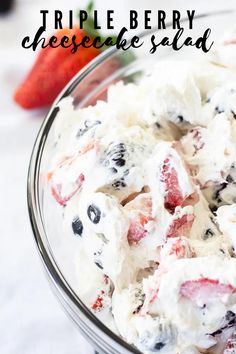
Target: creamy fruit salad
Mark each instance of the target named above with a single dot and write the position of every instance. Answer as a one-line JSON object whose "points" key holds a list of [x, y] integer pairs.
{"points": [[147, 184]]}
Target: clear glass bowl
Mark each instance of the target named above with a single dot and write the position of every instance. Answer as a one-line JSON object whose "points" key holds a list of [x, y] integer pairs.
{"points": [[86, 88]]}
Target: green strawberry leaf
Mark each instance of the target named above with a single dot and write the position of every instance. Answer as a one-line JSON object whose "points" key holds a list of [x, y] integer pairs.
{"points": [[90, 7], [91, 31]]}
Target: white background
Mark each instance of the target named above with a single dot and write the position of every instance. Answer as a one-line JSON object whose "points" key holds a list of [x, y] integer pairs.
{"points": [[31, 320]]}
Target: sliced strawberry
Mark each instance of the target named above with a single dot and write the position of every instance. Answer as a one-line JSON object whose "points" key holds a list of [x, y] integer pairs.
{"points": [[173, 194], [181, 226], [172, 170], [53, 69], [136, 230], [67, 178], [98, 303], [139, 212], [152, 292], [101, 298], [181, 249], [63, 190], [57, 191], [204, 289]]}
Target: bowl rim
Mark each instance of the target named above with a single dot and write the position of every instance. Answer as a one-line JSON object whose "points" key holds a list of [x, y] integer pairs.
{"points": [[53, 270]]}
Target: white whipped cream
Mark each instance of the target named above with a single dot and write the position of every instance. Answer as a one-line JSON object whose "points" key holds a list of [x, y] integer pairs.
{"points": [[140, 177]]}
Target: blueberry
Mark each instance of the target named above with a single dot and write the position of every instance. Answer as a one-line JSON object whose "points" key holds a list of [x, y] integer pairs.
{"points": [[118, 184], [176, 118], [94, 213], [164, 336], [208, 233], [159, 345], [218, 110], [213, 208], [117, 159], [117, 156], [113, 170], [116, 151], [229, 179], [77, 226], [230, 317], [119, 162], [180, 118]]}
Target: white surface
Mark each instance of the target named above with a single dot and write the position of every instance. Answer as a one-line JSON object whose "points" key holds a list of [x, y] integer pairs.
{"points": [[31, 320]]}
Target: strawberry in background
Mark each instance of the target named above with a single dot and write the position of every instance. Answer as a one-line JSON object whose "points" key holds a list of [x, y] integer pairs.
{"points": [[54, 68]]}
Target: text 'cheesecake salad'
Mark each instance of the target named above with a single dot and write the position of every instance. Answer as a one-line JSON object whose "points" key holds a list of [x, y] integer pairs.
{"points": [[147, 183]]}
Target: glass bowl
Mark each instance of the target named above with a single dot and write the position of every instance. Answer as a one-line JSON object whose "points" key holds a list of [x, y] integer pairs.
{"points": [[86, 88]]}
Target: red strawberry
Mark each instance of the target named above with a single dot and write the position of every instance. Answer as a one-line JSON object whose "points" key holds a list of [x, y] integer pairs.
{"points": [[98, 303], [153, 295], [137, 229], [57, 190], [140, 210], [173, 195], [181, 248], [62, 190], [204, 289], [53, 69], [181, 226]]}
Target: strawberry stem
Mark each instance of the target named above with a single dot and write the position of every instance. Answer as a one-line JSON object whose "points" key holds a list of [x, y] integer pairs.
{"points": [[89, 26], [90, 7]]}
